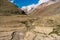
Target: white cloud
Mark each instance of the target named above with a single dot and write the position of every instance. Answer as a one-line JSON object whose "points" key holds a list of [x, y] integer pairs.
{"points": [[42, 1], [33, 5], [11, 1], [29, 7]]}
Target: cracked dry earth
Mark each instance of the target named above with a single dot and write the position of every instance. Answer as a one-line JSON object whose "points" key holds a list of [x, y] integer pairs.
{"points": [[27, 28]]}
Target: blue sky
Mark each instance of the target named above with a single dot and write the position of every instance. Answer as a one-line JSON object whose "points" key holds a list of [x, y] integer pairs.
{"points": [[24, 3], [21, 3]]}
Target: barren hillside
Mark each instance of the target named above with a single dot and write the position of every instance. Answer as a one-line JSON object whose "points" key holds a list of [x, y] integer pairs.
{"points": [[7, 8], [41, 24], [44, 10]]}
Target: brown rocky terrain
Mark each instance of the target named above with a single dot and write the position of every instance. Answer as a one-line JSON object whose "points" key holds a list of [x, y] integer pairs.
{"points": [[37, 26], [7, 8]]}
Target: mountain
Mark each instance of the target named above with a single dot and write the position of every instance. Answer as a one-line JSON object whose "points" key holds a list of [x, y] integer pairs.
{"points": [[43, 23], [7, 8], [46, 9], [33, 8]]}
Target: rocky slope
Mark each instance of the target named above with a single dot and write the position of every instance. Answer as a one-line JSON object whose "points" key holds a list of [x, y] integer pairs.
{"points": [[39, 6], [32, 27], [47, 9], [7, 8]]}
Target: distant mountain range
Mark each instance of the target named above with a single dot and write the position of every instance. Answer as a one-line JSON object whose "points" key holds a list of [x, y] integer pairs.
{"points": [[47, 9], [33, 8], [7, 8]]}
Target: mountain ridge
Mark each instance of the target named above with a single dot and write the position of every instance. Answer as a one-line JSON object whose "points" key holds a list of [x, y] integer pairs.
{"points": [[49, 2], [43, 10], [8, 8]]}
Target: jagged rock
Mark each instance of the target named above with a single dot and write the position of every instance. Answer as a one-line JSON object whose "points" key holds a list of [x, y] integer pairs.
{"points": [[18, 35], [29, 35]]}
